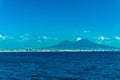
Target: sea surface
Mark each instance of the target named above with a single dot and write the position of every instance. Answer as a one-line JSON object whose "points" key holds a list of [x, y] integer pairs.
{"points": [[60, 66]]}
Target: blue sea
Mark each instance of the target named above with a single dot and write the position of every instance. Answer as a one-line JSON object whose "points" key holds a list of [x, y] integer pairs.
{"points": [[60, 66]]}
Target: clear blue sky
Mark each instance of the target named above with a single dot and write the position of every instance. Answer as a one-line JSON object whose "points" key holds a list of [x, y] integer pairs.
{"points": [[41, 23]]}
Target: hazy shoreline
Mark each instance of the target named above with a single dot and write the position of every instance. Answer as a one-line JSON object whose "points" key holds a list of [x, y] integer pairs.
{"points": [[60, 51]]}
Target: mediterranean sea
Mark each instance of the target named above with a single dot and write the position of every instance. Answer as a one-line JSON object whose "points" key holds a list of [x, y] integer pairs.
{"points": [[60, 66]]}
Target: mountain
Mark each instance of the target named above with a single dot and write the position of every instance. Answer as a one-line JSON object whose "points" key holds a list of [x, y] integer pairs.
{"points": [[82, 44]]}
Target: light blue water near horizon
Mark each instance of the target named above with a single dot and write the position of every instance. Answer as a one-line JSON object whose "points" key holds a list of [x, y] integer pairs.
{"points": [[60, 66]]}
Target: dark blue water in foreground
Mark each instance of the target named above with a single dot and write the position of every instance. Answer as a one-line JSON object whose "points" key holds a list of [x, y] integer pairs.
{"points": [[60, 66]]}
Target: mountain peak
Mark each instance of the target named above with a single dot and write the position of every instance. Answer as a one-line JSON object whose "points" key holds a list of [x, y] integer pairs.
{"points": [[80, 44], [78, 39]]}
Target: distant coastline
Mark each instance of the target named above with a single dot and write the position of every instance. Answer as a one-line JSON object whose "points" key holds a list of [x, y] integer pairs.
{"points": [[117, 50]]}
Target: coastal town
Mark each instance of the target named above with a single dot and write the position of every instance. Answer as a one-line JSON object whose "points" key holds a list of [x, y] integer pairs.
{"points": [[64, 50]]}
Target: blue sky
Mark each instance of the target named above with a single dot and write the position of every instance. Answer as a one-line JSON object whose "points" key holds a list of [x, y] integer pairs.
{"points": [[41, 23]]}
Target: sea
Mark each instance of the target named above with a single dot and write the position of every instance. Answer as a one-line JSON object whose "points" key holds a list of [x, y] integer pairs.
{"points": [[60, 66]]}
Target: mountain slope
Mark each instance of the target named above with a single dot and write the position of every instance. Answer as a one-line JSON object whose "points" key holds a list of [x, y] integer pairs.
{"points": [[82, 44]]}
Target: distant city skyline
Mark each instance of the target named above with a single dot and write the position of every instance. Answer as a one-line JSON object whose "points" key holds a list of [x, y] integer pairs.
{"points": [[42, 23]]}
